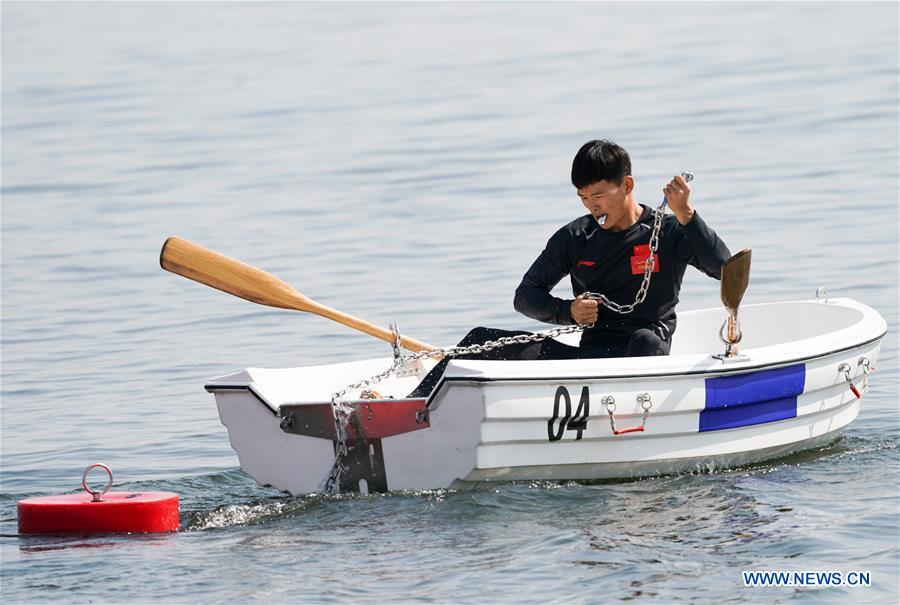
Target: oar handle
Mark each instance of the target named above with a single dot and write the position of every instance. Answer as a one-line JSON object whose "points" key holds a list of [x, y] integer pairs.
{"points": [[230, 275]]}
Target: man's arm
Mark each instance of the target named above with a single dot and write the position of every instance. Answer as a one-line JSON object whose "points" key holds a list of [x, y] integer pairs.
{"points": [[699, 245], [533, 298]]}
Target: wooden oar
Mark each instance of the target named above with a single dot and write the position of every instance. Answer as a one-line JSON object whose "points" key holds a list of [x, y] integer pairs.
{"points": [[246, 281], [735, 279]]}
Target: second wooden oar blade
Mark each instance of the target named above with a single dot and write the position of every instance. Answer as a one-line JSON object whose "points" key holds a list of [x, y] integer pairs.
{"points": [[735, 279], [229, 275]]}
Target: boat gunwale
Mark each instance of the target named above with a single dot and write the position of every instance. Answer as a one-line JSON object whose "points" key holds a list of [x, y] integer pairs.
{"points": [[724, 369], [446, 381], [213, 387]]}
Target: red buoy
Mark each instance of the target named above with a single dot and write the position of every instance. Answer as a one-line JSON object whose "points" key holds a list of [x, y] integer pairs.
{"points": [[99, 511]]}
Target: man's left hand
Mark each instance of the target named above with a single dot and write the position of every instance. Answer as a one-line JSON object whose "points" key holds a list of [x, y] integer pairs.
{"points": [[678, 194]]}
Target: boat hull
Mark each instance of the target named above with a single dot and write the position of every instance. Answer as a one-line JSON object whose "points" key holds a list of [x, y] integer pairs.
{"points": [[550, 420]]}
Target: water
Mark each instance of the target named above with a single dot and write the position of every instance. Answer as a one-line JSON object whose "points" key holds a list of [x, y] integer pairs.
{"points": [[406, 162]]}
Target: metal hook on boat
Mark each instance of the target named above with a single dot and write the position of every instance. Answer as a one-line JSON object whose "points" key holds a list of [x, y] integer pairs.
{"points": [[395, 330], [725, 339], [646, 404], [731, 325], [403, 368], [731, 353], [844, 368], [822, 295], [610, 403], [867, 369]]}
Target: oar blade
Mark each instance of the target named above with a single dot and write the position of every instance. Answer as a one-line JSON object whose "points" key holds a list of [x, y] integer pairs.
{"points": [[224, 273], [245, 281], [735, 279]]}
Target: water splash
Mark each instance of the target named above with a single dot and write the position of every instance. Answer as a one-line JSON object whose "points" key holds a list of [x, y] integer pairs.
{"points": [[246, 514]]}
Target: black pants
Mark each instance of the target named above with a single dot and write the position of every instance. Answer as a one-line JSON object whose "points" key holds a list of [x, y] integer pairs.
{"points": [[639, 343]]}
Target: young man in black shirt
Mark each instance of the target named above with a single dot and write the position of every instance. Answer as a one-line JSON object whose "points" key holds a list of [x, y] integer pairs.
{"points": [[605, 252]]}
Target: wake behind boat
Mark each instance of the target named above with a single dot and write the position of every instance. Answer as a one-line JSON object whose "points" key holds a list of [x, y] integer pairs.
{"points": [[802, 369]]}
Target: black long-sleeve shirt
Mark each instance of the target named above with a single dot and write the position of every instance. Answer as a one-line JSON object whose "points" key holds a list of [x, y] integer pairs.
{"points": [[612, 263]]}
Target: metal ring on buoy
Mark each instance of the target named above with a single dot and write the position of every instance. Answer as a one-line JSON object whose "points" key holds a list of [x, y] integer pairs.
{"points": [[97, 496], [103, 511]]}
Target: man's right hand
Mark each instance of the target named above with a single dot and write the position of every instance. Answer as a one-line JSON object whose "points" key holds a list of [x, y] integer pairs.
{"points": [[584, 310]]}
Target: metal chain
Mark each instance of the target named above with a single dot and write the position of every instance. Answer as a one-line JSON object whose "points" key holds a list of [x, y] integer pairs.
{"points": [[649, 265], [342, 412]]}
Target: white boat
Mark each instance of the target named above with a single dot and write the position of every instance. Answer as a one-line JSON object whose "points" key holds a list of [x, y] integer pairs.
{"points": [[802, 369]]}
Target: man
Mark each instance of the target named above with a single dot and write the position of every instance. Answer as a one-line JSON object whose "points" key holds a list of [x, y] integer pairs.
{"points": [[605, 252]]}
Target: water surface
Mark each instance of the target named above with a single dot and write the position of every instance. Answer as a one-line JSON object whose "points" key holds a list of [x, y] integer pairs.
{"points": [[406, 162]]}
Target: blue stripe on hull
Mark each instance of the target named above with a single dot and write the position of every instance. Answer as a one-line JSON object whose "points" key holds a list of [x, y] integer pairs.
{"points": [[754, 398], [745, 415]]}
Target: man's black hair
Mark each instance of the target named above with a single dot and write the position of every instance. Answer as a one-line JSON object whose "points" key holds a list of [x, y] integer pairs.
{"points": [[600, 160]]}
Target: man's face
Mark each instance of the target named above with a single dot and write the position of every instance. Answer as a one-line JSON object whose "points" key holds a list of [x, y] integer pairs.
{"points": [[606, 198]]}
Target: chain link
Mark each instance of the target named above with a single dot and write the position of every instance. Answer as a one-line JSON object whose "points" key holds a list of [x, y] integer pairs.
{"points": [[649, 265], [341, 411]]}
